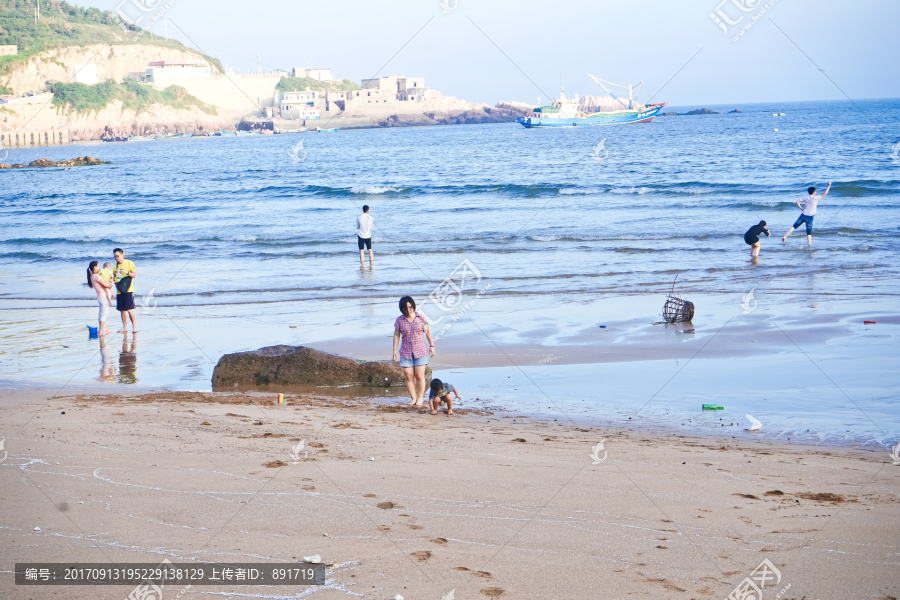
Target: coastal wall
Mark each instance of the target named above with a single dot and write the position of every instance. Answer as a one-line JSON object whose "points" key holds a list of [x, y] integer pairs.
{"points": [[30, 138]]}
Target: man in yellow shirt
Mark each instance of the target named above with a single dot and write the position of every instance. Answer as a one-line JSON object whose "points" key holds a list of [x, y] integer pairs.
{"points": [[125, 300]]}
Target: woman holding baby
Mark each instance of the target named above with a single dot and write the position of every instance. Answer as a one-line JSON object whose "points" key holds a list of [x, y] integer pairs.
{"points": [[101, 281]]}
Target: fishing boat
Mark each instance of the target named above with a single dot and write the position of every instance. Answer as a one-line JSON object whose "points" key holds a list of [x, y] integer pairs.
{"points": [[329, 130], [566, 112], [141, 138]]}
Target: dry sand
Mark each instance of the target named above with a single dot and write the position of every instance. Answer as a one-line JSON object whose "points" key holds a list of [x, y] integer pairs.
{"points": [[483, 504]]}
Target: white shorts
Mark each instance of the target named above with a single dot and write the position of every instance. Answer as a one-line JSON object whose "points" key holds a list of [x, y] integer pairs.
{"points": [[104, 309]]}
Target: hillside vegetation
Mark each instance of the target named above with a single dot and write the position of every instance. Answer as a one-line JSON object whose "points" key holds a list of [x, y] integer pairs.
{"points": [[302, 84], [62, 24], [135, 96]]}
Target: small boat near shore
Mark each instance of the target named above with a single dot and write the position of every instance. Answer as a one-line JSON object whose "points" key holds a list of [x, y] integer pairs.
{"points": [[566, 112], [329, 130]]}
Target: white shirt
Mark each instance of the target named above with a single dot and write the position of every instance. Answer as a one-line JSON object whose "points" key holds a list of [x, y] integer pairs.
{"points": [[809, 205], [364, 224]]}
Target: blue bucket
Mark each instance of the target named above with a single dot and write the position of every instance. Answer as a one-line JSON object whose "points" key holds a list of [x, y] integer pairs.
{"points": [[92, 331]]}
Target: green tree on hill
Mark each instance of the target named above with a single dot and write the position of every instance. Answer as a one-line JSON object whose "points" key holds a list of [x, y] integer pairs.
{"points": [[303, 84]]}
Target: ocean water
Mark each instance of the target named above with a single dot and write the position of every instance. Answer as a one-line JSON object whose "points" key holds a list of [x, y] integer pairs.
{"points": [[237, 228]]}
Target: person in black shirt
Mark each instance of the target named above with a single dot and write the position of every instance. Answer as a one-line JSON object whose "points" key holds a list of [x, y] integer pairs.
{"points": [[752, 237]]}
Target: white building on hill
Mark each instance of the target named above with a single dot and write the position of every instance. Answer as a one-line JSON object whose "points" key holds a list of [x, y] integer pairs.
{"points": [[317, 74], [298, 105], [394, 87]]}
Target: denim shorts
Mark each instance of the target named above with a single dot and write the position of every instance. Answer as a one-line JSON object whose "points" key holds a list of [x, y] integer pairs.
{"points": [[414, 362], [804, 219]]}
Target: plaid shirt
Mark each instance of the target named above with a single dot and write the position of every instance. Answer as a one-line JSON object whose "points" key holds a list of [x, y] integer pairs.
{"points": [[413, 343]]}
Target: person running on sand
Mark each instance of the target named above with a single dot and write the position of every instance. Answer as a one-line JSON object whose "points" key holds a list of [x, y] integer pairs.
{"points": [[125, 300], [102, 287], [440, 392], [808, 205], [413, 351], [364, 224], [752, 237]]}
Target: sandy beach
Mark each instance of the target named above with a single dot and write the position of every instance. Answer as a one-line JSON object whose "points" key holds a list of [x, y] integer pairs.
{"points": [[486, 503]]}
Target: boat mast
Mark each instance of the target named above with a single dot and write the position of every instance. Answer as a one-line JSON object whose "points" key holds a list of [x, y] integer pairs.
{"points": [[600, 82]]}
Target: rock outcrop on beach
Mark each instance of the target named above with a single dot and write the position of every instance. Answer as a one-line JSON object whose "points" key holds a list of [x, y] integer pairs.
{"points": [[78, 161], [298, 365]]}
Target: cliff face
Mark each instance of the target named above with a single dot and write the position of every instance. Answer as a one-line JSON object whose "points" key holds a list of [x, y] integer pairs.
{"points": [[113, 62], [113, 121]]}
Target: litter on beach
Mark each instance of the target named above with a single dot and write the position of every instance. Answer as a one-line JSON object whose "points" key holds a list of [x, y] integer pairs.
{"points": [[713, 407], [868, 322]]}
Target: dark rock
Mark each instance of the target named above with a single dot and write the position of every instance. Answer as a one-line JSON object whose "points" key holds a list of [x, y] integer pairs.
{"points": [[298, 365], [79, 161], [670, 114], [701, 111], [737, 110]]}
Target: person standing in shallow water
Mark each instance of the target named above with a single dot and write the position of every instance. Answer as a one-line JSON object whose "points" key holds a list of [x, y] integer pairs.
{"points": [[364, 224], [412, 352], [125, 300], [752, 237], [102, 288], [807, 205]]}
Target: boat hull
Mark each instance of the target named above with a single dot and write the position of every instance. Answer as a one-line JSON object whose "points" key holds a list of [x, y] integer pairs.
{"points": [[611, 118]]}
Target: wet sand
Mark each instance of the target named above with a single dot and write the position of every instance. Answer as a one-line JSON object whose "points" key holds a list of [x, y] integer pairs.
{"points": [[485, 503]]}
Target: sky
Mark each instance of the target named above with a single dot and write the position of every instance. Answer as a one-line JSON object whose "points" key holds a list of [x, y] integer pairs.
{"points": [[487, 51]]}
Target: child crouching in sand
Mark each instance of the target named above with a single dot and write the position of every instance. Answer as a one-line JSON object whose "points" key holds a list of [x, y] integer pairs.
{"points": [[441, 392]]}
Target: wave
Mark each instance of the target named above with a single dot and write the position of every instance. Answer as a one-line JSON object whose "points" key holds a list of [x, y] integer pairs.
{"points": [[374, 189], [632, 190]]}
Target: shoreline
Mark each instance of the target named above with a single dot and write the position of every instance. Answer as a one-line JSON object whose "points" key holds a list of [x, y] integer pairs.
{"points": [[394, 400]]}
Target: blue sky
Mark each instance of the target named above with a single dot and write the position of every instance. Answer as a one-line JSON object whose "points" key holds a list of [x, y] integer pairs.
{"points": [[517, 50]]}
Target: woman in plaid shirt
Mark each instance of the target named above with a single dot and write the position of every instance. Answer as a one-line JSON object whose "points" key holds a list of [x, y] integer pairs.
{"points": [[413, 350]]}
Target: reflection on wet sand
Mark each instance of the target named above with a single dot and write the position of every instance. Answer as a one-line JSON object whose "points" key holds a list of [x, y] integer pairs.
{"points": [[107, 366], [128, 362]]}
